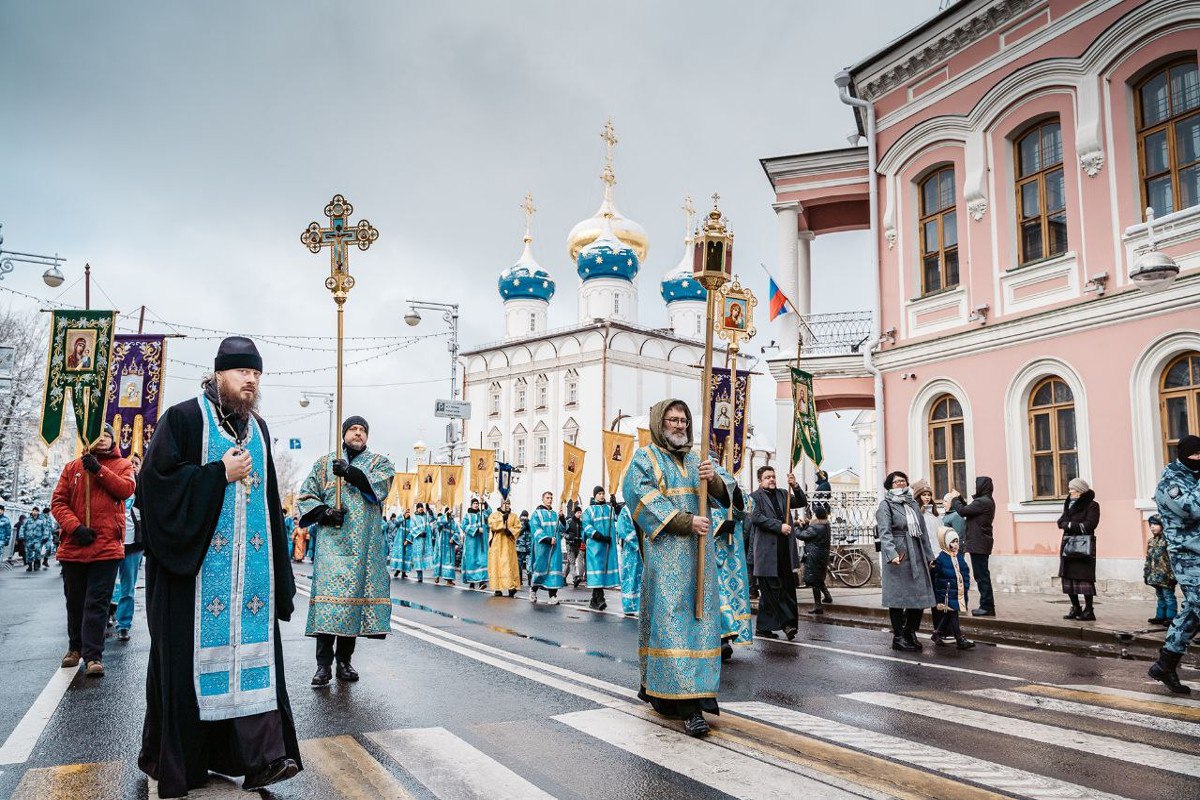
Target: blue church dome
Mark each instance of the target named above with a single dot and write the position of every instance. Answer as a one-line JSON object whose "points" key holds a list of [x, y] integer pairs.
{"points": [[681, 286], [525, 280], [607, 257]]}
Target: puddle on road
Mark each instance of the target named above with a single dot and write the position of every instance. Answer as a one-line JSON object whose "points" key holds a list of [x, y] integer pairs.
{"points": [[510, 632]]}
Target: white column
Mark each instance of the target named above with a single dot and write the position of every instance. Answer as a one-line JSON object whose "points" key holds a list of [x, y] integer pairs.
{"points": [[787, 225], [803, 298]]}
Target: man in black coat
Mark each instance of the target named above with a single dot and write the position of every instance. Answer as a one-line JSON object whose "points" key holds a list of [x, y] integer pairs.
{"points": [[775, 554], [980, 513]]}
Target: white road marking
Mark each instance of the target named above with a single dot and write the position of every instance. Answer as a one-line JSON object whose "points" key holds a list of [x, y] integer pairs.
{"points": [[1092, 744], [910, 662], [1169, 699], [453, 769], [1086, 710], [934, 759], [729, 772], [20, 743]]}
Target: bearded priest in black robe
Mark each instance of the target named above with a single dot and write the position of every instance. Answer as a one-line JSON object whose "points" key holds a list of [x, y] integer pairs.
{"points": [[218, 580]]}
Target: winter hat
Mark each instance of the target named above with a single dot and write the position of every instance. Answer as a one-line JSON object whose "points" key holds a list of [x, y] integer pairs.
{"points": [[596, 491], [356, 420], [1189, 446], [921, 485], [109, 430], [1153, 519], [1079, 485], [237, 352], [887, 482], [946, 537]]}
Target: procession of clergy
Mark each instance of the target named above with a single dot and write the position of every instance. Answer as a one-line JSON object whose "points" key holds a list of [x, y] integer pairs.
{"points": [[219, 572]]}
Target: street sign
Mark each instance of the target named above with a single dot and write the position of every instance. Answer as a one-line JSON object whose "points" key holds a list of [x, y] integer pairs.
{"points": [[452, 409], [293, 444]]}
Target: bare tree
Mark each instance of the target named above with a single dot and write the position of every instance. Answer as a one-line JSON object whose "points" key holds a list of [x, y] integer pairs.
{"points": [[289, 471], [26, 333]]}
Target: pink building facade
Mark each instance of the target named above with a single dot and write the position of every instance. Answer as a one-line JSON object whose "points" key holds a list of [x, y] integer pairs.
{"points": [[1013, 147]]}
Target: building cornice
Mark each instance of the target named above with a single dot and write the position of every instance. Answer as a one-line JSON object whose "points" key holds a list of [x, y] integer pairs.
{"points": [[804, 165], [662, 334]]}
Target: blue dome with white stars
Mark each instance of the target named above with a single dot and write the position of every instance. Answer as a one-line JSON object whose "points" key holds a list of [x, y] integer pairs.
{"points": [[678, 284], [525, 280], [607, 257]]}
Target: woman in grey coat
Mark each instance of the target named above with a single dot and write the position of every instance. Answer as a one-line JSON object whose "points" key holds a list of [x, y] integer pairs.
{"points": [[904, 545]]}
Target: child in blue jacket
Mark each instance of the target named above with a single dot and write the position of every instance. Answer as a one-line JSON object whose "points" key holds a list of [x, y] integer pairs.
{"points": [[951, 583]]}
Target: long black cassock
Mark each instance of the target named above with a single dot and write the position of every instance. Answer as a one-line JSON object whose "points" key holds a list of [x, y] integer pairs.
{"points": [[182, 493]]}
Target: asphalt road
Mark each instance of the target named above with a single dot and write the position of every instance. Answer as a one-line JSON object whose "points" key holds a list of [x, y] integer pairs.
{"points": [[474, 696]]}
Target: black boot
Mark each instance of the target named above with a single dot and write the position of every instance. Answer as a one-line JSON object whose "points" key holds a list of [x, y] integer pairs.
{"points": [[345, 672], [497, 594], [695, 725], [1165, 670], [278, 770], [726, 651], [322, 677], [900, 642], [913, 644], [1076, 612], [1088, 614]]}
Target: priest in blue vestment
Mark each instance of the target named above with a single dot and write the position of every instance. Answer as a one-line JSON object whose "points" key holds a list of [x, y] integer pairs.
{"points": [[733, 575], [679, 655], [600, 545], [399, 558], [445, 536], [474, 531], [545, 555], [631, 563], [351, 591], [218, 581], [422, 529]]}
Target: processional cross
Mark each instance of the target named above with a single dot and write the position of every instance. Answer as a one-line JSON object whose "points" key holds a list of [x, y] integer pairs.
{"points": [[338, 237]]}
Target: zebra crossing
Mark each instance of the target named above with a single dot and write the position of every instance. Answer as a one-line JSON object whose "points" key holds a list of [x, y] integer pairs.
{"points": [[757, 750]]}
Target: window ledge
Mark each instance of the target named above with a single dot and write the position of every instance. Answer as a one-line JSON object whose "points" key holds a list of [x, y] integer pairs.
{"points": [[939, 311], [1040, 283], [1036, 511]]}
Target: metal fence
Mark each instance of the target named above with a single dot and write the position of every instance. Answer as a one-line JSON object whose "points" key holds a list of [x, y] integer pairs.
{"points": [[851, 515], [842, 333]]}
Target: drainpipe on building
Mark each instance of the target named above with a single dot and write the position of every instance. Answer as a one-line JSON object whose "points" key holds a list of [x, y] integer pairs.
{"points": [[842, 80]]}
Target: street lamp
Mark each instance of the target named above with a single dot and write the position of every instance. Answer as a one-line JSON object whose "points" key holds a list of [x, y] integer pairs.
{"points": [[450, 316], [52, 277], [1153, 270], [330, 399]]}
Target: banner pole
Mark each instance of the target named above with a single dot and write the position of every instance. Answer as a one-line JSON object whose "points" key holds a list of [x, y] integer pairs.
{"points": [[791, 455], [706, 434]]}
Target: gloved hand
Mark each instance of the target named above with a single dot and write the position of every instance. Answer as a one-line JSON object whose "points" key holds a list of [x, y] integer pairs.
{"points": [[91, 463], [340, 467], [600, 537], [84, 536], [333, 517]]}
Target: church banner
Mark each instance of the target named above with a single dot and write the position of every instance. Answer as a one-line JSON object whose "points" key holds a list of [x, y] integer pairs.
{"points": [[404, 487], [79, 362], [644, 437], [728, 414], [806, 437], [618, 449], [135, 389], [572, 471], [427, 483], [483, 475], [450, 476], [504, 482]]}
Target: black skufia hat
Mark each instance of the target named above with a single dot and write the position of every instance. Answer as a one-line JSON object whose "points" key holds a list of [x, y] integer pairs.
{"points": [[237, 352]]}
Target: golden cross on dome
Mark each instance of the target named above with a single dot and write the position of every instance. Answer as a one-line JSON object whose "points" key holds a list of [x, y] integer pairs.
{"points": [[530, 209], [689, 216], [716, 199], [609, 135]]}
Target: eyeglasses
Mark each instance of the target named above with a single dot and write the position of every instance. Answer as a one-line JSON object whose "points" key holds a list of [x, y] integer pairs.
{"points": [[676, 420]]}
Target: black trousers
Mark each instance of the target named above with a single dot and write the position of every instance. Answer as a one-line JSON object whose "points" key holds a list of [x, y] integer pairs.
{"points": [[329, 645], [88, 588], [905, 620], [946, 623], [983, 579]]}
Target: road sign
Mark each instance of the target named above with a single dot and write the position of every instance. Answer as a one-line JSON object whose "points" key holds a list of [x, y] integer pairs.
{"points": [[452, 409], [293, 444]]}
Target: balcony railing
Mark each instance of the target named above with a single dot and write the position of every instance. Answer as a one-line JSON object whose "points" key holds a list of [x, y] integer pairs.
{"points": [[851, 515], [841, 333]]}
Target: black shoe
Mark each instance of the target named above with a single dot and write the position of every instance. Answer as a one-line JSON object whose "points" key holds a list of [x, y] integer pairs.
{"points": [[817, 610], [1157, 621], [603, 605], [29, 567], [1088, 615], [914, 643], [278, 770], [512, 592], [403, 575], [1074, 613], [396, 573], [575, 583], [938, 640], [592, 604], [901, 643], [964, 644], [498, 594], [726, 651], [345, 672], [983, 612], [1165, 670], [767, 634], [790, 633], [827, 600], [322, 677], [123, 634], [695, 725]]}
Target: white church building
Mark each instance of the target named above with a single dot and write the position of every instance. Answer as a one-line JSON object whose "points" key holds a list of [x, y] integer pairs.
{"points": [[538, 387]]}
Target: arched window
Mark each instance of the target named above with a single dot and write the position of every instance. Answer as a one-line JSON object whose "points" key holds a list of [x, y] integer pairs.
{"points": [[947, 447], [571, 385], [543, 392], [570, 431], [1052, 441], [494, 399], [1041, 205], [520, 395], [541, 445], [939, 232], [1168, 136], [519, 444], [1179, 400]]}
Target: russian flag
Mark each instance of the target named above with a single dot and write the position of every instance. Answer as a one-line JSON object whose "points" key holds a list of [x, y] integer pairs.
{"points": [[779, 304]]}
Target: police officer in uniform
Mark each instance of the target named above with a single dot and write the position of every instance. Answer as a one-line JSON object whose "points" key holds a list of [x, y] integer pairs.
{"points": [[1178, 500]]}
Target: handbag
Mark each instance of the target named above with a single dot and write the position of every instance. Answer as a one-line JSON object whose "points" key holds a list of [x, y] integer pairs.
{"points": [[1079, 546]]}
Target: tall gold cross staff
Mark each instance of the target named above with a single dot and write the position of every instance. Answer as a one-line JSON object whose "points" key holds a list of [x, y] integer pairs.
{"points": [[338, 237]]}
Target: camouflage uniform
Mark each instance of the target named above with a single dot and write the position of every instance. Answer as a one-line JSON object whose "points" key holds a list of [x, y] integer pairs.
{"points": [[1178, 500]]}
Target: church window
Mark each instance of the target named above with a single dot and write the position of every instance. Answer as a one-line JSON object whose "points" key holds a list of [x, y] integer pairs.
{"points": [[1168, 137], [494, 399], [1041, 203], [938, 232], [520, 395], [1052, 440], [572, 388], [543, 392], [571, 432], [493, 439], [616, 303], [543, 450], [532, 322], [1179, 401], [947, 447], [699, 329], [519, 444]]}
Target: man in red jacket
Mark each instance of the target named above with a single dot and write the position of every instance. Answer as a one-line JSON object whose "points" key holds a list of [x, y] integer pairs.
{"points": [[89, 504]]}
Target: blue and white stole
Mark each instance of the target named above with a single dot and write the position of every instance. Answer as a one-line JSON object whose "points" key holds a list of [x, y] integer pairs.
{"points": [[234, 650]]}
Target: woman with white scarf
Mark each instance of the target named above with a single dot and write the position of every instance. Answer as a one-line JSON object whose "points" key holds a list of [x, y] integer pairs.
{"points": [[906, 555]]}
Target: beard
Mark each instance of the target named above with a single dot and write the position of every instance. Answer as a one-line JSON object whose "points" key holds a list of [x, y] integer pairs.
{"points": [[233, 400], [679, 440]]}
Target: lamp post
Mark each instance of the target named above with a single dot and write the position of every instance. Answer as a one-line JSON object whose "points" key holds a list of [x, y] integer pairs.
{"points": [[450, 317], [330, 399], [1153, 270], [52, 277]]}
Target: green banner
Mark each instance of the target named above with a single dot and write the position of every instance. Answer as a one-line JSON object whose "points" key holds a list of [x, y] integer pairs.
{"points": [[79, 361], [806, 437]]}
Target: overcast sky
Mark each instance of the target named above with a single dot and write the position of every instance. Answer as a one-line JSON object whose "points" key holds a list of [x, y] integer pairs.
{"points": [[181, 149]]}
